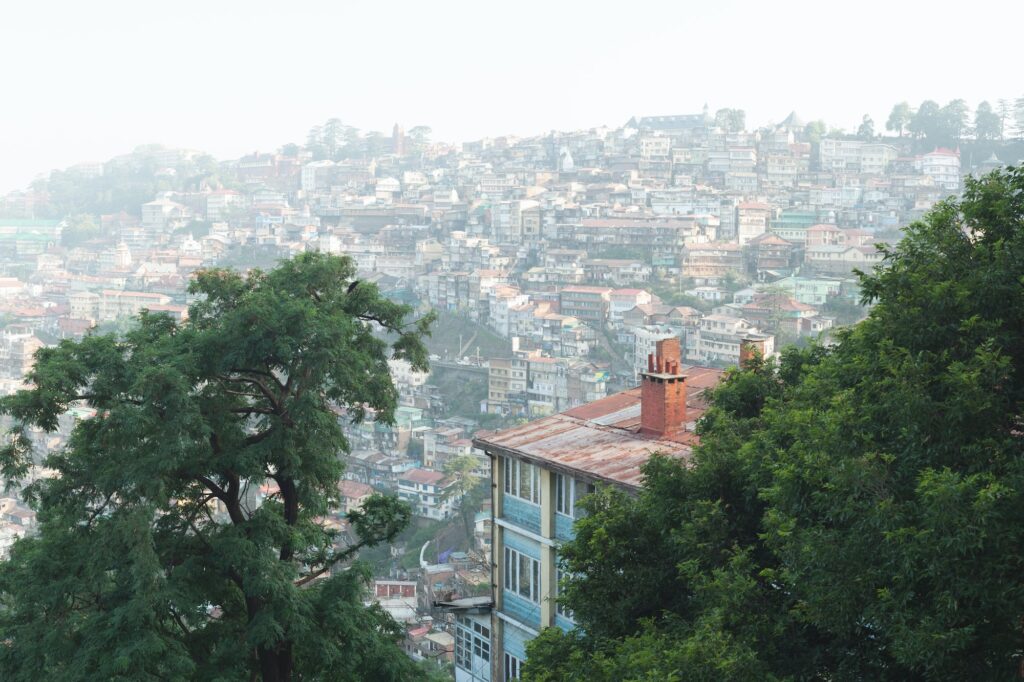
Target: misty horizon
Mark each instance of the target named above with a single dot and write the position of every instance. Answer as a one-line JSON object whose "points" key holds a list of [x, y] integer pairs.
{"points": [[229, 83]]}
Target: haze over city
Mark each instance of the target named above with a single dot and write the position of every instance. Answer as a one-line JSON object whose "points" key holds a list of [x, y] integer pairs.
{"points": [[88, 81], [514, 341]]}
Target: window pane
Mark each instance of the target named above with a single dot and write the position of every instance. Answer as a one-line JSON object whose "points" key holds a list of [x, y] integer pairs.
{"points": [[535, 595], [524, 576], [525, 480]]}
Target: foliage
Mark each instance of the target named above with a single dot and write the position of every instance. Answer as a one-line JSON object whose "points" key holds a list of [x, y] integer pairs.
{"points": [[126, 183], [460, 470], [815, 130], [79, 230], [154, 559], [866, 130], [899, 117], [855, 512], [987, 123], [731, 120], [940, 126]]}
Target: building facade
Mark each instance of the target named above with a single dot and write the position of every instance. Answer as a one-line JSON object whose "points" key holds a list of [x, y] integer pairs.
{"points": [[541, 470]]}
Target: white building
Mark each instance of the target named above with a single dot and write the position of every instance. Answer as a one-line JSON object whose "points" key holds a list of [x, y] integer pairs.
{"points": [[427, 492], [943, 167], [645, 341]]}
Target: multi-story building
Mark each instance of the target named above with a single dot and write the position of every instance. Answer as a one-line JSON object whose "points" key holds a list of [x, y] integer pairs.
{"points": [[770, 253], [751, 220], [720, 340], [875, 158], [943, 166], [646, 340], [839, 155], [427, 492], [113, 304], [587, 304], [540, 471], [709, 263]]}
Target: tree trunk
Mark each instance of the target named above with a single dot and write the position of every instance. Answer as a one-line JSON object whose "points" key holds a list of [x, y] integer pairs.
{"points": [[276, 664]]}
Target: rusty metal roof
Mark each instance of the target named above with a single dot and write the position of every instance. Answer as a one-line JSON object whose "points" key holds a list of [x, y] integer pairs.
{"points": [[601, 440]]}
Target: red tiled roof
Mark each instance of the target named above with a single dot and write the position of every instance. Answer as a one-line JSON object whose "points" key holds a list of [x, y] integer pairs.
{"points": [[354, 489], [424, 476]]}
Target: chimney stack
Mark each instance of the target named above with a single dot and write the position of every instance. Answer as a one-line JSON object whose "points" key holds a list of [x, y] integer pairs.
{"points": [[663, 392], [750, 349]]}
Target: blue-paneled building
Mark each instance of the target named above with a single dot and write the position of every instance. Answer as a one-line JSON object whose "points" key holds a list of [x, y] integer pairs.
{"points": [[541, 469]]}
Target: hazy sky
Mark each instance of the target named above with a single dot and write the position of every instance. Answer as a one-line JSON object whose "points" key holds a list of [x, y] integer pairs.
{"points": [[86, 80]]}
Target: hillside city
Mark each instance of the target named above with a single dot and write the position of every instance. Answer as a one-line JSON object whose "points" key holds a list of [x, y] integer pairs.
{"points": [[566, 270]]}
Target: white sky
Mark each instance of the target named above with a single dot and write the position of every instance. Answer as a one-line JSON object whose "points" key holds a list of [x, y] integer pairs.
{"points": [[84, 80]]}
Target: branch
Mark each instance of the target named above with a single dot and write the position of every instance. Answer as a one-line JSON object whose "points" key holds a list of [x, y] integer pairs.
{"points": [[257, 437], [96, 512], [217, 491], [252, 410], [180, 622], [348, 553], [258, 372], [264, 389]]}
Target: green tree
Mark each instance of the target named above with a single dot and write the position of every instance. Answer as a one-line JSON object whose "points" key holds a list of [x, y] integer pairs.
{"points": [[927, 120], [1018, 116], [866, 130], [420, 136], [461, 470], [987, 123], [731, 120], [315, 143], [955, 117], [154, 558], [815, 130], [79, 229], [899, 117], [854, 513], [1005, 109]]}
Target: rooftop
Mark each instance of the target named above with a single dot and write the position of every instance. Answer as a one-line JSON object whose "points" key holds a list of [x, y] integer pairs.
{"points": [[602, 439]]}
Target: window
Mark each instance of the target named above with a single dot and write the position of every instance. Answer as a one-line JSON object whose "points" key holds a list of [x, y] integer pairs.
{"points": [[471, 639], [522, 480], [513, 666], [522, 575], [560, 609], [565, 494]]}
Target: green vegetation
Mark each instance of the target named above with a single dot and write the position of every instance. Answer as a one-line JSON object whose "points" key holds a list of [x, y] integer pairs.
{"points": [[462, 391], [671, 292], [852, 513], [452, 328], [153, 558], [79, 230], [127, 183]]}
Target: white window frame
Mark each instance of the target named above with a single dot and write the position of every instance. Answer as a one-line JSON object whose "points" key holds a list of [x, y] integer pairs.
{"points": [[522, 575], [471, 640], [565, 495], [560, 608], [513, 667], [516, 472]]}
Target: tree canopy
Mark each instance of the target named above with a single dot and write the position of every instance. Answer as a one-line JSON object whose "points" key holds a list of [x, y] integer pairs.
{"points": [[853, 512], [154, 558]]}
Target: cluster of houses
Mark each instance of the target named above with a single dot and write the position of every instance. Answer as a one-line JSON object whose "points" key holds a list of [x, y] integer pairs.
{"points": [[657, 253]]}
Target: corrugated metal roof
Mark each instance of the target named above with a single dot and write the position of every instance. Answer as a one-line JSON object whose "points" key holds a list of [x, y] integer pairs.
{"points": [[601, 439]]}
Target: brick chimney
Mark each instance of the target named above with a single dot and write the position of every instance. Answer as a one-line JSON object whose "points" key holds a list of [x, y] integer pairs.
{"points": [[749, 349], [663, 392]]}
